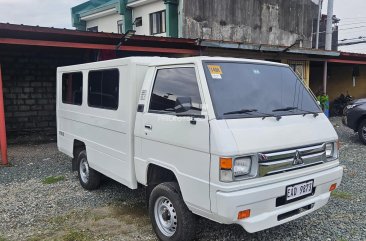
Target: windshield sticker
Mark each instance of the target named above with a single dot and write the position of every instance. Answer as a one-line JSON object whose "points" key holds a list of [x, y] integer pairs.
{"points": [[215, 71]]}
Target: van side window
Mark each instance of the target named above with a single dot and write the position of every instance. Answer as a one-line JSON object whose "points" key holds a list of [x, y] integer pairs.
{"points": [[72, 88], [171, 84], [103, 89]]}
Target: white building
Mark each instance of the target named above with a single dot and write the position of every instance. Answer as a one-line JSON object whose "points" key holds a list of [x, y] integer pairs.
{"points": [[146, 17], [273, 22]]}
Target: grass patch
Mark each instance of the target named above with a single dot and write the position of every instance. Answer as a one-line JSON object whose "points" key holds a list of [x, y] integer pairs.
{"points": [[341, 195], [75, 236], [35, 239], [2, 238], [53, 179]]}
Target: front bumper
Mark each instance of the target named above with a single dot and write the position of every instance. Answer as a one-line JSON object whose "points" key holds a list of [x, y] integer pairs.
{"points": [[262, 201]]}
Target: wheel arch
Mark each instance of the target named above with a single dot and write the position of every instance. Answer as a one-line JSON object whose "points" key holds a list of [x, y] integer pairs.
{"points": [[359, 121], [77, 147], [156, 175]]}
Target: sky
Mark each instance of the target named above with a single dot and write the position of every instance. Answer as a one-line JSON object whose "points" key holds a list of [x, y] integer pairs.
{"points": [[56, 13], [353, 22]]}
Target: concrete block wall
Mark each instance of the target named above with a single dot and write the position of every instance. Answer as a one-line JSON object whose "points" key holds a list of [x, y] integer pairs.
{"points": [[29, 85]]}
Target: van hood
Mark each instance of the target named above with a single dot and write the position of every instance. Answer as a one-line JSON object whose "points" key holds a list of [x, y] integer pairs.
{"points": [[253, 135]]}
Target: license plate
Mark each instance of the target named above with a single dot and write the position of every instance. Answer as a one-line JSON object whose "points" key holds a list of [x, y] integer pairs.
{"points": [[299, 190]]}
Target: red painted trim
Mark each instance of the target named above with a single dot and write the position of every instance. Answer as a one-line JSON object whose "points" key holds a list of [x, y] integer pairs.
{"points": [[3, 144], [44, 43], [343, 61], [57, 31]]}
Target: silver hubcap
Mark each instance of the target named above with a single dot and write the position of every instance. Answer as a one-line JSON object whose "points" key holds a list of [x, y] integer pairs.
{"points": [[84, 170], [165, 216], [364, 132]]}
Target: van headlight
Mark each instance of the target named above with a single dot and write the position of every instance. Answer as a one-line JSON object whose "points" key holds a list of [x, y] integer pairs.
{"points": [[233, 169], [242, 166], [331, 150]]}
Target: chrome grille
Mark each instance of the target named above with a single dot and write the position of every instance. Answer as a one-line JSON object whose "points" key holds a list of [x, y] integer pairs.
{"points": [[288, 160]]}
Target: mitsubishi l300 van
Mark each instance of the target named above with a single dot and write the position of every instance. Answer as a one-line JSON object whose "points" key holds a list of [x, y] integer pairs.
{"points": [[233, 140]]}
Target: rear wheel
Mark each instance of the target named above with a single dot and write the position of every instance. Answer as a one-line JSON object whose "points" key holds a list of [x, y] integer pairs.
{"points": [[362, 131], [171, 219], [88, 177]]}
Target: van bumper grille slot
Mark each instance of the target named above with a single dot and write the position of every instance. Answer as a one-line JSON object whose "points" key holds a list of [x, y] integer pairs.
{"points": [[295, 212]]}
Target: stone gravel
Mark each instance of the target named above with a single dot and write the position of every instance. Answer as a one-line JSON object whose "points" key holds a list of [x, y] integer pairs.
{"points": [[27, 204]]}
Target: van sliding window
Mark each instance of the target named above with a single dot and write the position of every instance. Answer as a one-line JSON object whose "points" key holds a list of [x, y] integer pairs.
{"points": [[72, 88], [103, 89]]}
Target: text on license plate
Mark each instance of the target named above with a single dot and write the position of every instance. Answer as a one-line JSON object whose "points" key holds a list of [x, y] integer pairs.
{"points": [[299, 190]]}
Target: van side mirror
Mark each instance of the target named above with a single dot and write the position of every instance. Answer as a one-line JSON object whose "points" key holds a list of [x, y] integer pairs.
{"points": [[183, 104]]}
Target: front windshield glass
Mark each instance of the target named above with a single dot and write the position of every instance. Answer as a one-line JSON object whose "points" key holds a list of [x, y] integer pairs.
{"points": [[245, 90]]}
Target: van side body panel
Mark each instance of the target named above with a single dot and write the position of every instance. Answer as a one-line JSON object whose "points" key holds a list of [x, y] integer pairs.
{"points": [[107, 134]]}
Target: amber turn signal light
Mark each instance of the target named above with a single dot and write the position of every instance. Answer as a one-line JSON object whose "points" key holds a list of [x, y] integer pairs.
{"points": [[226, 163], [333, 187], [244, 214]]}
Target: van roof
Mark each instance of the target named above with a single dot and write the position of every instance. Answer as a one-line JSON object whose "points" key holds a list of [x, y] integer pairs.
{"points": [[161, 61], [166, 61]]}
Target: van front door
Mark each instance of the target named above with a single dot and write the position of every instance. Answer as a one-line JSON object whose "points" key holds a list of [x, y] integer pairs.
{"points": [[172, 138]]}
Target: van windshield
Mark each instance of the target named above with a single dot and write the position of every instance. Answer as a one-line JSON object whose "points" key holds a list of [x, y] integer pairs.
{"points": [[246, 90]]}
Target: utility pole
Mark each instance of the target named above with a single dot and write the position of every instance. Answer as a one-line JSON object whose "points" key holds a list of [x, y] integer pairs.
{"points": [[329, 31], [318, 24]]}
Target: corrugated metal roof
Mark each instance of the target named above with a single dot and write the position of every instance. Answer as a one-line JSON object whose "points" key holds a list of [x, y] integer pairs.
{"points": [[267, 48]]}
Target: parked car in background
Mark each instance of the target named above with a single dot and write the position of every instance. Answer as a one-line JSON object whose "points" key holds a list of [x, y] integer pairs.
{"points": [[354, 116]]}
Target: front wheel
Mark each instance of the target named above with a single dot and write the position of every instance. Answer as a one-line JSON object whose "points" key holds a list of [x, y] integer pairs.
{"points": [[362, 132], [171, 219], [88, 177]]}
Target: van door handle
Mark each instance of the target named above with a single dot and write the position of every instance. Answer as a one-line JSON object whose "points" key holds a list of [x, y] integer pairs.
{"points": [[148, 127]]}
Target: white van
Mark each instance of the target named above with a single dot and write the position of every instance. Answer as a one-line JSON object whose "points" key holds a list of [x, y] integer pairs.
{"points": [[233, 140]]}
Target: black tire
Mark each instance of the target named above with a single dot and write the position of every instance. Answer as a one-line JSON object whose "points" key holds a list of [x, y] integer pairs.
{"points": [[89, 179], [361, 133], [185, 219]]}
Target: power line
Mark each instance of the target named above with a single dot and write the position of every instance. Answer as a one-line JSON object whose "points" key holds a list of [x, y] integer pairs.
{"points": [[344, 29], [346, 39], [352, 43], [353, 18], [350, 24]]}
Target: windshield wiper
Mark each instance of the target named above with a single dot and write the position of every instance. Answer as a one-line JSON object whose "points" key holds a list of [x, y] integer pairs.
{"points": [[285, 109], [244, 111], [290, 108], [249, 111]]}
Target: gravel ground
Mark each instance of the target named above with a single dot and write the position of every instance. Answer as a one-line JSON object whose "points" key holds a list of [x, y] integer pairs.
{"points": [[33, 210]]}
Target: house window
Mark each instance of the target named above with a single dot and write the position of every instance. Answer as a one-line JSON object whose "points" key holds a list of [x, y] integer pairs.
{"points": [[72, 88], [138, 22], [157, 22], [120, 26], [93, 29], [103, 89]]}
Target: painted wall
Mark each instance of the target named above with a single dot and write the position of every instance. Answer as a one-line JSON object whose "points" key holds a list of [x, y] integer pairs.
{"points": [[144, 12], [275, 22], [105, 24], [340, 81]]}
